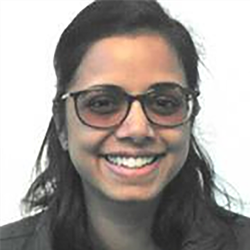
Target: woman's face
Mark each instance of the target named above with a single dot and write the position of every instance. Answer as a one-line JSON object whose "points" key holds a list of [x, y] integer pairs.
{"points": [[133, 63]]}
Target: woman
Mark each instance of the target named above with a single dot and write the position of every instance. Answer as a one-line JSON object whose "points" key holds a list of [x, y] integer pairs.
{"points": [[123, 168]]}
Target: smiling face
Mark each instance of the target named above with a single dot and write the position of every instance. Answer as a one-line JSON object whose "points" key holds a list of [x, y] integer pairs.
{"points": [[104, 157]]}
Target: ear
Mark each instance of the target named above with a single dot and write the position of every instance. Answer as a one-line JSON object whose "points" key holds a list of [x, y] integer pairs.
{"points": [[63, 138], [61, 131]]}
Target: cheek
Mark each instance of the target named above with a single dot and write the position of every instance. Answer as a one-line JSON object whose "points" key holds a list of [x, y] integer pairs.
{"points": [[80, 137], [83, 142], [177, 142], [83, 149]]}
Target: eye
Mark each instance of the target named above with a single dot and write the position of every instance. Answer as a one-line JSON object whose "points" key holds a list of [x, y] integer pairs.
{"points": [[102, 104], [165, 104]]}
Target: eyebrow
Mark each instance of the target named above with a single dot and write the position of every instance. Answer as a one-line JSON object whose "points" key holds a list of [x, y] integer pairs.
{"points": [[151, 87], [102, 86]]}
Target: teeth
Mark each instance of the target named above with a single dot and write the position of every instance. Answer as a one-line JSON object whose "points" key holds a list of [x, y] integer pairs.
{"points": [[131, 162]]}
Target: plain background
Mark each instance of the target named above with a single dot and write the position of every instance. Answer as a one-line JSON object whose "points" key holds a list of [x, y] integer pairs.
{"points": [[29, 31]]}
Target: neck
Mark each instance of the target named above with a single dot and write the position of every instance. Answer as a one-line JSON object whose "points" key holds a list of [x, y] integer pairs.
{"points": [[120, 225]]}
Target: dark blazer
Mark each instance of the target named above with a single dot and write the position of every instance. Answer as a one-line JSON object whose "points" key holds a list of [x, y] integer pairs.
{"points": [[27, 234], [31, 234]]}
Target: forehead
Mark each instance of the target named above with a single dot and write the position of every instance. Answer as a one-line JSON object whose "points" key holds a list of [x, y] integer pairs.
{"points": [[133, 62]]}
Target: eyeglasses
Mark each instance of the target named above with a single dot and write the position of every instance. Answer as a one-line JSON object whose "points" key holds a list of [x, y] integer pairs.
{"points": [[107, 106]]}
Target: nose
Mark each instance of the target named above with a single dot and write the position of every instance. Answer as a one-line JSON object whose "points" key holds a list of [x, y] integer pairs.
{"points": [[136, 127]]}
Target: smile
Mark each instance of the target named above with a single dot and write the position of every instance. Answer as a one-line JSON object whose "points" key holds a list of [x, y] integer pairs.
{"points": [[132, 162]]}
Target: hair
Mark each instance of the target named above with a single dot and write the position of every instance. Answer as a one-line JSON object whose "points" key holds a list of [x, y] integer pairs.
{"points": [[188, 203]]}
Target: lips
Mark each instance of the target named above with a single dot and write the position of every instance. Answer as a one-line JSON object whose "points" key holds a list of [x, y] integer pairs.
{"points": [[132, 162]]}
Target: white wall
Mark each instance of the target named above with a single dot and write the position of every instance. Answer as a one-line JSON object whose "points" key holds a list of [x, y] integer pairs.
{"points": [[29, 31]]}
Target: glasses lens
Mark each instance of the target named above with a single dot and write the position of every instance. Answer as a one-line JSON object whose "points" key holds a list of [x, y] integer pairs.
{"points": [[102, 107], [168, 105]]}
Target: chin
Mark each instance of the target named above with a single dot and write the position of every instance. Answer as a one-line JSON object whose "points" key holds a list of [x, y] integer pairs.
{"points": [[134, 194]]}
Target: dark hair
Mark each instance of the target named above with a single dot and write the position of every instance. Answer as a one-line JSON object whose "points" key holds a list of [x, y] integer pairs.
{"points": [[188, 202]]}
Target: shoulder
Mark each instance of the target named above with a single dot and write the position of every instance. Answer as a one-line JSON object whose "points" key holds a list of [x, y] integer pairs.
{"points": [[16, 229], [27, 234], [14, 235], [242, 232], [212, 234]]}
